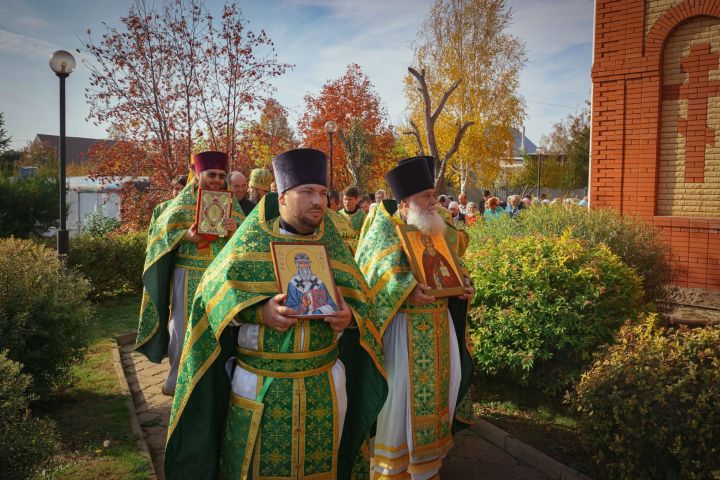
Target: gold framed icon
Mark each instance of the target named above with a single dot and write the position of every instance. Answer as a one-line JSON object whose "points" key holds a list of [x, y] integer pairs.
{"points": [[213, 206], [303, 273], [432, 261]]}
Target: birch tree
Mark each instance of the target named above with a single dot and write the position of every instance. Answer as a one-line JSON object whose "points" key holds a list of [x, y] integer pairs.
{"points": [[463, 89]]}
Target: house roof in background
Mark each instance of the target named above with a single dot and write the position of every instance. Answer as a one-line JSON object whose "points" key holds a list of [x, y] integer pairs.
{"points": [[101, 184], [530, 147], [77, 147]]}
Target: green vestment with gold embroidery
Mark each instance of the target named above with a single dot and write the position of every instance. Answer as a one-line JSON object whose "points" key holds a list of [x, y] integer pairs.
{"points": [[342, 225], [356, 219], [214, 433], [167, 249], [384, 264]]}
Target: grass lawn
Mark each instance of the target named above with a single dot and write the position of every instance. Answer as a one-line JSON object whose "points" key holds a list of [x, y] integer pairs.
{"points": [[547, 426], [92, 411]]}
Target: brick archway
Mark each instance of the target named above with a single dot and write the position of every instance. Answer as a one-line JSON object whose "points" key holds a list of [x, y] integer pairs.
{"points": [[656, 124], [660, 32]]}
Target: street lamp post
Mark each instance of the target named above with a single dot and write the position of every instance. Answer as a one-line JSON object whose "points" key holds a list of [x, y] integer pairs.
{"points": [[63, 64], [538, 179], [330, 128]]}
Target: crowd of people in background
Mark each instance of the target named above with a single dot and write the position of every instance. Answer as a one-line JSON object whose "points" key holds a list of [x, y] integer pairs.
{"points": [[465, 212], [490, 207]]}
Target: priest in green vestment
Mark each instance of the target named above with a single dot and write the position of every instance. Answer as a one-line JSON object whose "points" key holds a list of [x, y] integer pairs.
{"points": [[259, 185], [353, 213], [177, 185], [424, 339], [175, 259], [262, 394], [342, 225]]}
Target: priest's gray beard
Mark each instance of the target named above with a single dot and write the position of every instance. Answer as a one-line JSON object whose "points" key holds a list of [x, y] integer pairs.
{"points": [[428, 221], [305, 273]]}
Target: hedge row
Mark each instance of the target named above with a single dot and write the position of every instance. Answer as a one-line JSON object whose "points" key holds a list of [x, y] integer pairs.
{"points": [[649, 405], [44, 312], [28, 206], [559, 291], [112, 263], [44, 319], [26, 443], [543, 305], [637, 243]]}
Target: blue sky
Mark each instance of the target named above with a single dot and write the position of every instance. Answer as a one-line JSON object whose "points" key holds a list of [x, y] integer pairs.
{"points": [[320, 37]]}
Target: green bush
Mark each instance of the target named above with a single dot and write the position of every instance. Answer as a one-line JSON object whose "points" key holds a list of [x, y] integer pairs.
{"points": [[113, 264], [543, 305], [635, 241], [649, 407], [26, 443], [98, 225], [43, 311], [28, 206]]}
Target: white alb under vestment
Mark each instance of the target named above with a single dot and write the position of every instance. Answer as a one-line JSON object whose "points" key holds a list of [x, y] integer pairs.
{"points": [[395, 455]]}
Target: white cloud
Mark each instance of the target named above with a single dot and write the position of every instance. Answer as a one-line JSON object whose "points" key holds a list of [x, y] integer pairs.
{"points": [[14, 43], [549, 26], [374, 34], [30, 22]]}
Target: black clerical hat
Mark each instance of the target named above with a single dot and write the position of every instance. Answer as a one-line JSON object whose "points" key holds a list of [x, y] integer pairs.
{"points": [[431, 164], [411, 175], [300, 166]]}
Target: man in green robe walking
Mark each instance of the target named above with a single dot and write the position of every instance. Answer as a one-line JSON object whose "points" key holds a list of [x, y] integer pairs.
{"points": [[259, 185], [353, 213], [175, 259], [263, 394], [424, 338], [177, 186]]}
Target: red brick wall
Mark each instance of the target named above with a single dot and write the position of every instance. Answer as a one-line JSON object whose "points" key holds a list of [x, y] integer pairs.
{"points": [[656, 124]]}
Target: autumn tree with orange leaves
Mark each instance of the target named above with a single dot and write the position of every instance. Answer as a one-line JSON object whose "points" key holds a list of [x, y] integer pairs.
{"points": [[366, 140], [266, 137], [170, 80]]}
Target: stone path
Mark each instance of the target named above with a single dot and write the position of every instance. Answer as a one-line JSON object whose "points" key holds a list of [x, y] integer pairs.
{"points": [[145, 380], [472, 457]]}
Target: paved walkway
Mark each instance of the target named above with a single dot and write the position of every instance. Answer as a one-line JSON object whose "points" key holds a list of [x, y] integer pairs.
{"points": [[472, 457]]}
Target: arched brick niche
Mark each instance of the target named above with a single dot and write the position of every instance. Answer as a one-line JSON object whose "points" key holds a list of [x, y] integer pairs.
{"points": [[689, 158], [656, 124]]}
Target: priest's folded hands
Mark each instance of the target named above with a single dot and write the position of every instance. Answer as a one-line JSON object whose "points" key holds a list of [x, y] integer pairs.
{"points": [[230, 225], [276, 315], [342, 318], [419, 297], [469, 290], [191, 235]]}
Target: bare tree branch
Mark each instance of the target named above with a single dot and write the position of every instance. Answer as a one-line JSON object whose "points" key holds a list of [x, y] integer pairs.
{"points": [[427, 107], [458, 138], [415, 132], [431, 119], [444, 99], [423, 89], [440, 176]]}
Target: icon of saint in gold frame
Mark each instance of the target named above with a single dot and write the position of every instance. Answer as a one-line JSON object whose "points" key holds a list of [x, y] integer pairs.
{"points": [[432, 261], [303, 273]]}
